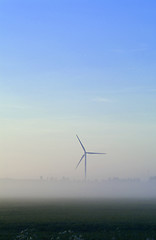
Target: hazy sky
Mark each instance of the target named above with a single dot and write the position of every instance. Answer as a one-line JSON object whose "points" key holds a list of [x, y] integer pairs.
{"points": [[77, 67]]}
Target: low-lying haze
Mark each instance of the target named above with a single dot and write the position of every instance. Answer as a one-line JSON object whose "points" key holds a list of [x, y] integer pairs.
{"points": [[44, 189]]}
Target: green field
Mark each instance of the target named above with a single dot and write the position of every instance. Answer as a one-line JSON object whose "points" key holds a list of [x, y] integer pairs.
{"points": [[93, 219]]}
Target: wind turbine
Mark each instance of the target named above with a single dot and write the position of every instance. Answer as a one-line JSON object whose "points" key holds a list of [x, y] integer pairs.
{"points": [[85, 156]]}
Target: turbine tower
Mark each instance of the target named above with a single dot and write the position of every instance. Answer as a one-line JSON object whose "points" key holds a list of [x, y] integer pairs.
{"points": [[85, 156]]}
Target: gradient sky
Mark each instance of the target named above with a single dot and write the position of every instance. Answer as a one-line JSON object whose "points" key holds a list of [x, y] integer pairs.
{"points": [[77, 67]]}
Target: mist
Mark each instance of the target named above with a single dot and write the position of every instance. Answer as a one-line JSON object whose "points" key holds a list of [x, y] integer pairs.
{"points": [[65, 188]]}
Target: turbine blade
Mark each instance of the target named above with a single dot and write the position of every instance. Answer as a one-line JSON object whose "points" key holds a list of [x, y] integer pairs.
{"points": [[94, 153], [80, 160], [81, 143]]}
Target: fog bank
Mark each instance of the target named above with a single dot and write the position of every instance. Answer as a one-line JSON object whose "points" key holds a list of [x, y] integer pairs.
{"points": [[75, 189]]}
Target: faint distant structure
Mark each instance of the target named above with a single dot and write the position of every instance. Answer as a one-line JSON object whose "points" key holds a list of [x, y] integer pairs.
{"points": [[85, 156], [152, 179]]}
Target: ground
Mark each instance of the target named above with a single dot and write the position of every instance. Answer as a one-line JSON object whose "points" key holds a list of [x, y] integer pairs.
{"points": [[97, 219]]}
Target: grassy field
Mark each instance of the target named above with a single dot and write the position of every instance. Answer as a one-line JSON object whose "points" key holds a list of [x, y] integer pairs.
{"points": [[68, 219]]}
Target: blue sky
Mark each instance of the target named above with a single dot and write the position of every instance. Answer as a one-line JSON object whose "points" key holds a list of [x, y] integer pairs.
{"points": [[85, 67]]}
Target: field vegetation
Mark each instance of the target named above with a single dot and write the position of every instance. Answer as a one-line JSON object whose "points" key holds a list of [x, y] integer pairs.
{"points": [[78, 219]]}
